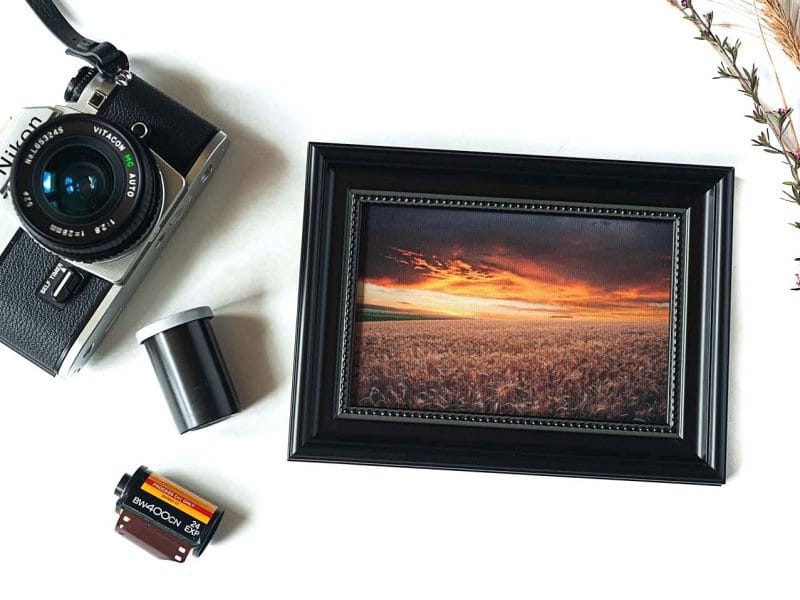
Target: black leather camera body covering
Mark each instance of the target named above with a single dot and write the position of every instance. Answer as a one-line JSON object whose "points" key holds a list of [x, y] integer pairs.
{"points": [[37, 330], [175, 133], [42, 331]]}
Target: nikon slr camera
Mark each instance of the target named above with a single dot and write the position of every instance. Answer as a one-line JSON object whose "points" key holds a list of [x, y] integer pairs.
{"points": [[91, 191]]}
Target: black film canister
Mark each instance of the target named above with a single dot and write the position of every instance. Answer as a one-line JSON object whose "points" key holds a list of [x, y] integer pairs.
{"points": [[190, 368]]}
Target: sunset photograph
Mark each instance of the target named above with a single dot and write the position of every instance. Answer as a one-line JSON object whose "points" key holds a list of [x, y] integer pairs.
{"points": [[513, 313]]}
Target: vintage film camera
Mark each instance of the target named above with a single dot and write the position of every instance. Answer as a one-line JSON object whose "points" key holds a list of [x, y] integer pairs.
{"points": [[91, 191]]}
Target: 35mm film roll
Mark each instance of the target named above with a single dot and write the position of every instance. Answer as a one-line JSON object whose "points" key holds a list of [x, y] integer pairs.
{"points": [[164, 518]]}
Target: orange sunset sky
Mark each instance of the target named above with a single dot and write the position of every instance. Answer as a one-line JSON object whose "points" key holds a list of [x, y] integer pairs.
{"points": [[493, 264]]}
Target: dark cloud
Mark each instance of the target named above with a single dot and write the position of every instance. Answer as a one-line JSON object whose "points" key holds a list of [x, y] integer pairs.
{"points": [[609, 253]]}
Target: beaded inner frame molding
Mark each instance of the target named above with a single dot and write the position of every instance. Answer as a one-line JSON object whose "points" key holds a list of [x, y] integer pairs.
{"points": [[359, 199], [688, 446]]}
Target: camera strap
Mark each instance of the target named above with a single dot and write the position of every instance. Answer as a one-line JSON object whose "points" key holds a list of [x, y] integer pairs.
{"points": [[112, 63]]}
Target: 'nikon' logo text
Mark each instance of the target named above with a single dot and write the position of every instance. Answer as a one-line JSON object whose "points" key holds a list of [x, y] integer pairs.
{"points": [[10, 151]]}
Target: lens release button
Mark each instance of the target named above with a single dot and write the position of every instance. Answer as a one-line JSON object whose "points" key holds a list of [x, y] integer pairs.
{"points": [[61, 285]]}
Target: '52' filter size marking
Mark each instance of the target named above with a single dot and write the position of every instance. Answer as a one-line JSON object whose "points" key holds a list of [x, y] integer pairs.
{"points": [[178, 497]]}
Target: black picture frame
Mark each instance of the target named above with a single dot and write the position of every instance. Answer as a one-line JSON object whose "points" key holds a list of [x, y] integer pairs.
{"points": [[690, 449]]}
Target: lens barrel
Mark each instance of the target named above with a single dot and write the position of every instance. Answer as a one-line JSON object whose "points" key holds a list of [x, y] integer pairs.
{"points": [[84, 188]]}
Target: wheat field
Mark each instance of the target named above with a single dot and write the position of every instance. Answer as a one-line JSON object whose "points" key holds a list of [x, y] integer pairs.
{"points": [[599, 371]]}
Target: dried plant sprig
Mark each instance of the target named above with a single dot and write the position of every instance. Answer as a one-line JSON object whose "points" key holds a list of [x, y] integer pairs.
{"points": [[772, 13], [784, 26], [777, 121]]}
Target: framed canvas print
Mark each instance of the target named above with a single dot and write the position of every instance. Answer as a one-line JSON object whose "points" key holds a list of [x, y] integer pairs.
{"points": [[513, 313]]}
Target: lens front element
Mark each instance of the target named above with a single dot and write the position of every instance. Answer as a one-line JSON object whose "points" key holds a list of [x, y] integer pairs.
{"points": [[77, 182]]}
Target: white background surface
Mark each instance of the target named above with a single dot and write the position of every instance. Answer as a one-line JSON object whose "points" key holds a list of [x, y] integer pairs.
{"points": [[582, 78]]}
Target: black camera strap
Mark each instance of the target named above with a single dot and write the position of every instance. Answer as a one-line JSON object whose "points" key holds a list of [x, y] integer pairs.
{"points": [[104, 56]]}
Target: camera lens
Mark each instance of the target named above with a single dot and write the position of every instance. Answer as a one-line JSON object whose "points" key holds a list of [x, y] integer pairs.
{"points": [[84, 188], [77, 182]]}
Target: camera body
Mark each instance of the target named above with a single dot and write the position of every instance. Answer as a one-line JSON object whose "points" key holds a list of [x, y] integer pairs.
{"points": [[90, 192]]}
